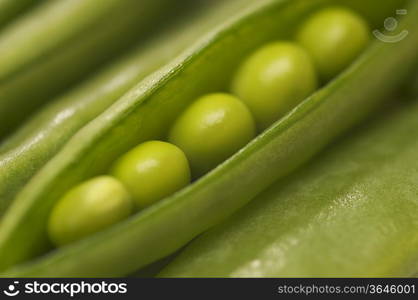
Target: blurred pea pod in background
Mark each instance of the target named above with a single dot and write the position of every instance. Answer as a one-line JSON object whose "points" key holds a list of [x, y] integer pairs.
{"points": [[58, 43]]}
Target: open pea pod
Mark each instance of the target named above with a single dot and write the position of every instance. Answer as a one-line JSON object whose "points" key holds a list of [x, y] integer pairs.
{"points": [[351, 212], [58, 43], [148, 110], [29, 148]]}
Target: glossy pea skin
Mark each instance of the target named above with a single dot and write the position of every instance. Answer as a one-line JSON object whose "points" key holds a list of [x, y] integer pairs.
{"points": [[273, 80], [88, 208], [334, 37], [212, 129], [152, 171]]}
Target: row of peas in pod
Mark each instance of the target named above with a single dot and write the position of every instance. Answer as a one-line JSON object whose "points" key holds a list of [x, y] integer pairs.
{"points": [[268, 84]]}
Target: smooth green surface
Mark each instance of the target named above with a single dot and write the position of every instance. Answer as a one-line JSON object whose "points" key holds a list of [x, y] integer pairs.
{"points": [[29, 148], [212, 129], [275, 79], [351, 212], [88, 208], [152, 171], [165, 227], [47, 63], [334, 37]]}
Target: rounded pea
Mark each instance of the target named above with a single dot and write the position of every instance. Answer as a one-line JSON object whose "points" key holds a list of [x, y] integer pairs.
{"points": [[211, 129], [334, 37], [88, 208], [274, 80], [152, 171]]}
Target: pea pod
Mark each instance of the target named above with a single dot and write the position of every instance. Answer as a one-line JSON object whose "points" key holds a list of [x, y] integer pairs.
{"points": [[29, 39], [351, 212], [38, 60], [27, 150], [166, 226]]}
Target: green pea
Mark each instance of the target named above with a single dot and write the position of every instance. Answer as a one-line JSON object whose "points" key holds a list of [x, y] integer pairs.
{"points": [[211, 129], [152, 171], [334, 37], [273, 80], [88, 208]]}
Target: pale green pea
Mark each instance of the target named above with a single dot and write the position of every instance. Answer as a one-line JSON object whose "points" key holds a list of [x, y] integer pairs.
{"points": [[273, 80], [88, 208], [212, 129], [334, 37], [152, 171]]}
